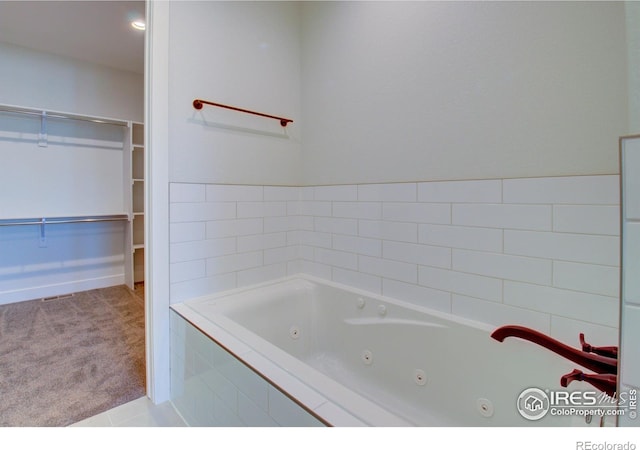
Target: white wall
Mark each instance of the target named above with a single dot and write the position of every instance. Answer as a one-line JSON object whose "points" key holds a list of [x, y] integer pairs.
{"points": [[78, 167], [244, 54], [406, 91], [76, 256], [632, 10], [41, 80]]}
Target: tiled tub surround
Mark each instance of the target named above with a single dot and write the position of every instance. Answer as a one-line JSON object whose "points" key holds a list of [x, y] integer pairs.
{"points": [[210, 387], [542, 252]]}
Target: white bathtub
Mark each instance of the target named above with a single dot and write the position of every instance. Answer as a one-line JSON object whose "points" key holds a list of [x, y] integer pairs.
{"points": [[374, 360]]}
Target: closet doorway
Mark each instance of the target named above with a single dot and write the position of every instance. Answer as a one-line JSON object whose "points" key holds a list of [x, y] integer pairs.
{"points": [[72, 219]]}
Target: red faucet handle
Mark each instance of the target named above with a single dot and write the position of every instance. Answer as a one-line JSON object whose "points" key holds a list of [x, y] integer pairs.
{"points": [[611, 352], [573, 376], [604, 382]]}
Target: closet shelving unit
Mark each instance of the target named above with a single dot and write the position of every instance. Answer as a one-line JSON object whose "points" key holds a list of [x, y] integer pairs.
{"points": [[134, 265], [130, 210]]}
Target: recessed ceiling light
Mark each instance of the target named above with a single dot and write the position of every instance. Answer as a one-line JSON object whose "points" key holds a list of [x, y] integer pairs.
{"points": [[138, 25]]}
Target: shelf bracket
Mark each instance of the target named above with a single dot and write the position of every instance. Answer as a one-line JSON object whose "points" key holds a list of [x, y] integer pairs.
{"points": [[42, 137], [43, 238]]}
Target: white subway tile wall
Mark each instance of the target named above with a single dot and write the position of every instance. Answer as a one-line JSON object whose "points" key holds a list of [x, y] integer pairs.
{"points": [[227, 236], [210, 387], [535, 251]]}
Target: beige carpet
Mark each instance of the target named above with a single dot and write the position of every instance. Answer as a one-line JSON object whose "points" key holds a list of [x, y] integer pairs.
{"points": [[67, 359]]}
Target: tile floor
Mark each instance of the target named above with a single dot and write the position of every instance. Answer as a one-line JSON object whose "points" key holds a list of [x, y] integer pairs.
{"points": [[137, 413]]}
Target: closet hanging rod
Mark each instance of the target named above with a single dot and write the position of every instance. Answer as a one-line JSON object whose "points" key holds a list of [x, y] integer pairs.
{"points": [[61, 115], [199, 103], [56, 220]]}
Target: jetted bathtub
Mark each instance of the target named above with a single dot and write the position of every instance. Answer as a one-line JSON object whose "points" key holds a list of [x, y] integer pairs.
{"points": [[377, 361]]}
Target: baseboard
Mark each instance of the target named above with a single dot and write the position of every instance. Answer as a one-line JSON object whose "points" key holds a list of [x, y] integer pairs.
{"points": [[37, 292]]}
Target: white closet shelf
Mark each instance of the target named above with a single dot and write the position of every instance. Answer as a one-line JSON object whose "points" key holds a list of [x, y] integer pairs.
{"points": [[62, 115], [70, 219]]}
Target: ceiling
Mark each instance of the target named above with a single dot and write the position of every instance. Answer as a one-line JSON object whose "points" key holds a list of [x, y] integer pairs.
{"points": [[89, 30]]}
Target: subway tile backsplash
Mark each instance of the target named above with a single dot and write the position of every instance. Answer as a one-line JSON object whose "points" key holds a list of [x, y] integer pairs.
{"points": [[578, 190], [533, 251]]}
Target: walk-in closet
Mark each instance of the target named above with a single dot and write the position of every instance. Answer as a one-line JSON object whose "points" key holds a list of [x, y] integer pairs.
{"points": [[72, 225]]}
